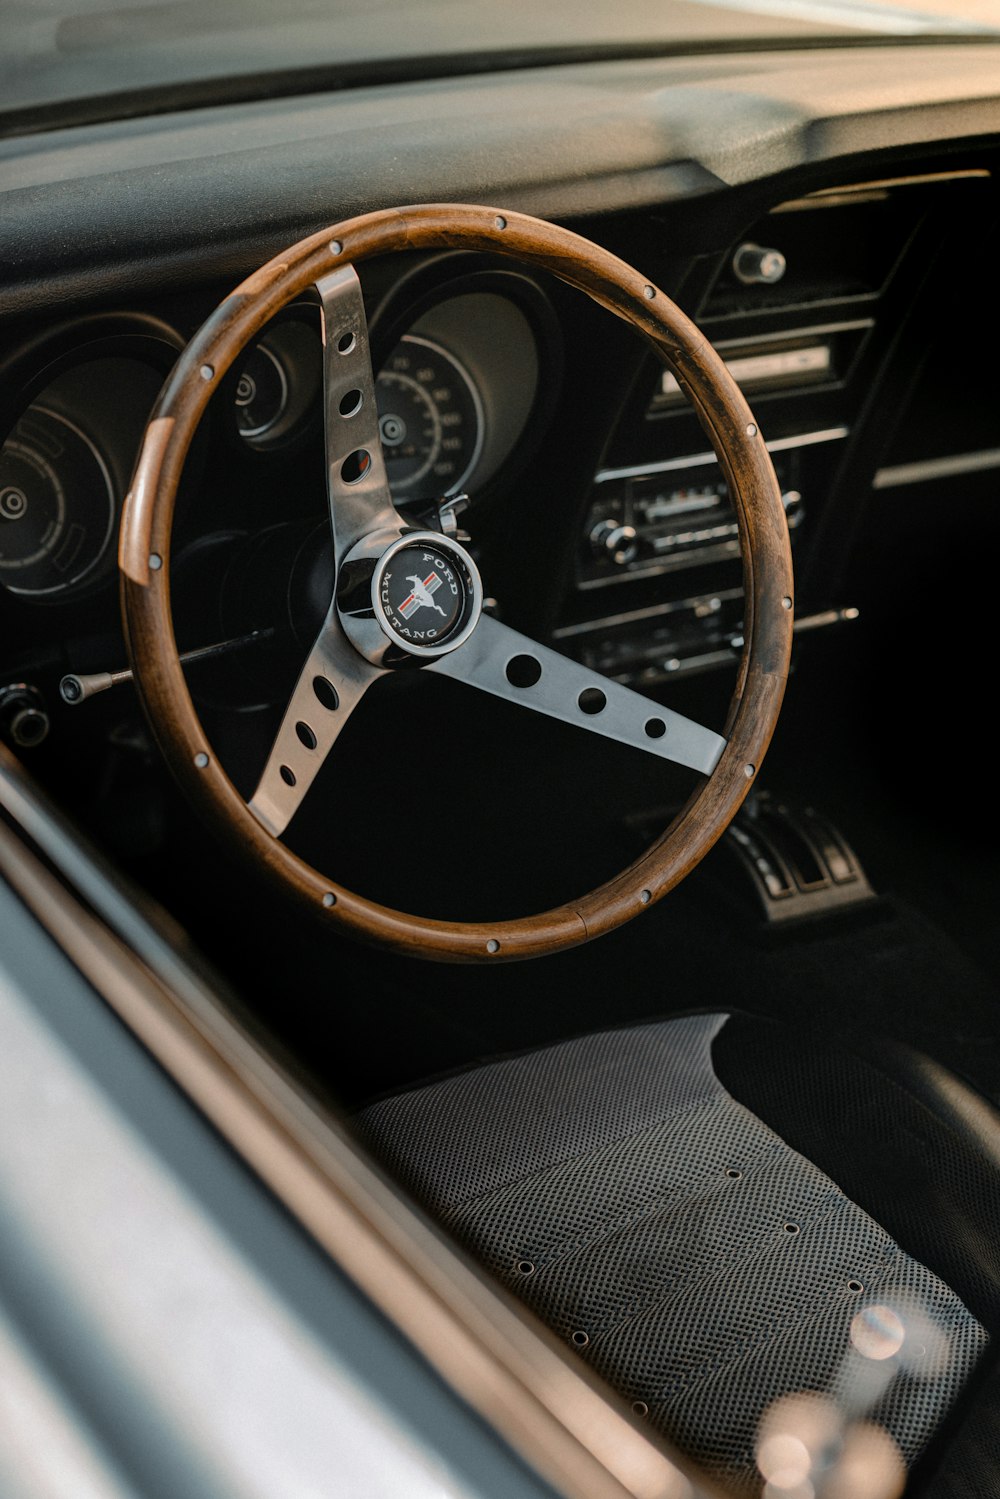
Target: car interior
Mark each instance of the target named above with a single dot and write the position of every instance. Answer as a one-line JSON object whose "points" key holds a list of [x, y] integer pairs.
{"points": [[739, 1154]]}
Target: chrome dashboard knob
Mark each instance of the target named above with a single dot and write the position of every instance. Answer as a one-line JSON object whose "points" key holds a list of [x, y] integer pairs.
{"points": [[755, 265], [615, 543]]}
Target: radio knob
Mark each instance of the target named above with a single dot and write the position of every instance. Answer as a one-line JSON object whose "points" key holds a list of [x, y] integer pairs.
{"points": [[755, 265], [614, 543]]}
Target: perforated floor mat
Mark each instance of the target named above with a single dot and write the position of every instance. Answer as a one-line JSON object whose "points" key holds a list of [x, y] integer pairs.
{"points": [[706, 1270]]}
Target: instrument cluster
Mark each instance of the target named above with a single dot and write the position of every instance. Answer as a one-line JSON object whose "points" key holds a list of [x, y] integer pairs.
{"points": [[455, 389]]}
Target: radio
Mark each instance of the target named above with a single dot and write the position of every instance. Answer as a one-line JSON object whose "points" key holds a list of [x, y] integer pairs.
{"points": [[658, 517]]}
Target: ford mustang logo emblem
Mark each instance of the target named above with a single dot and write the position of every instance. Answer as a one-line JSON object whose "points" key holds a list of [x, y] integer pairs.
{"points": [[422, 595]]}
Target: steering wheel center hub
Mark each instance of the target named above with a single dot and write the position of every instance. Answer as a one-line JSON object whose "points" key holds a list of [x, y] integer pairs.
{"points": [[426, 594]]}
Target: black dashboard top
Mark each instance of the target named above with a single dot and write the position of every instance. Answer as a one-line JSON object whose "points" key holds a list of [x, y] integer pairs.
{"points": [[103, 209]]}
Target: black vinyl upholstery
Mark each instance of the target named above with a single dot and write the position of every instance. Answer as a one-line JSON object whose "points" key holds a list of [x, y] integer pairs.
{"points": [[902, 1136], [696, 1260]]}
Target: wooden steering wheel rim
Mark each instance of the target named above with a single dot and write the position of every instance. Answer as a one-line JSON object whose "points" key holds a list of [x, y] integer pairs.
{"points": [[144, 560]]}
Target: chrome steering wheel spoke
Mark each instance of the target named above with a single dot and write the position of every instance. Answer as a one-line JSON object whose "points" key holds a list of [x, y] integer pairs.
{"points": [[330, 686], [335, 677], [498, 660], [357, 483]]}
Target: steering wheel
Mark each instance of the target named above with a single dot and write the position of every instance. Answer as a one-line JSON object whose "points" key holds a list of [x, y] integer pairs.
{"points": [[408, 598]]}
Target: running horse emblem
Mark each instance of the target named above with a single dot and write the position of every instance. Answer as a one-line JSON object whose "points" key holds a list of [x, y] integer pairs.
{"points": [[421, 596]]}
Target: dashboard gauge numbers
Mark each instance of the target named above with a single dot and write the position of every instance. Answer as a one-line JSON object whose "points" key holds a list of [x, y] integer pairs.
{"points": [[430, 419], [57, 505]]}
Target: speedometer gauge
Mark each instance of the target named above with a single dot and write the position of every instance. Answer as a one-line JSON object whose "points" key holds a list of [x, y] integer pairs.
{"points": [[430, 419]]}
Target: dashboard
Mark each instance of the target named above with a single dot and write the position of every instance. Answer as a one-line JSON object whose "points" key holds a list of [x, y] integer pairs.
{"points": [[819, 257]]}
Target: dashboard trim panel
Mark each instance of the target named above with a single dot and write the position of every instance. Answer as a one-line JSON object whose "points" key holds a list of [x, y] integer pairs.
{"points": [[698, 460]]}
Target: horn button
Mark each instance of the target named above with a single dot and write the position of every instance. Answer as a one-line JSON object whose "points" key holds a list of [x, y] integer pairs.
{"points": [[424, 597]]}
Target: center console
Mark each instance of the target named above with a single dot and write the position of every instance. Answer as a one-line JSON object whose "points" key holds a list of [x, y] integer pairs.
{"points": [[806, 309], [657, 584]]}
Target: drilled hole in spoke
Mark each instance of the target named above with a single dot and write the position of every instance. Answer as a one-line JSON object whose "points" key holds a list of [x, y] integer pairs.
{"points": [[345, 343], [355, 466], [523, 671], [327, 693], [350, 403], [592, 700], [306, 735], [287, 774], [655, 728]]}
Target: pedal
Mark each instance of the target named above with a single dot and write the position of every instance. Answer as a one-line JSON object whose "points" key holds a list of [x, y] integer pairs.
{"points": [[799, 865]]}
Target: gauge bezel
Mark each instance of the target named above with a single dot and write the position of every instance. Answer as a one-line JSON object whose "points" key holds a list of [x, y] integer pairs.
{"points": [[249, 434], [300, 370], [31, 369], [67, 584]]}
